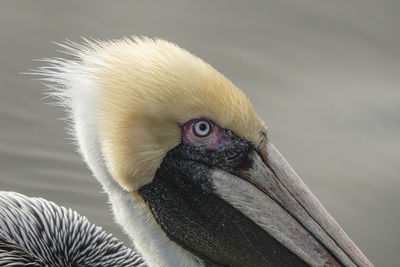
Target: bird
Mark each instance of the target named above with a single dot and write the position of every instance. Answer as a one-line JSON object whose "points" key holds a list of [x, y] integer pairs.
{"points": [[37, 232], [187, 164]]}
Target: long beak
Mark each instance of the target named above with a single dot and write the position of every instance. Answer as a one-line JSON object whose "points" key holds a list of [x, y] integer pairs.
{"points": [[274, 197]]}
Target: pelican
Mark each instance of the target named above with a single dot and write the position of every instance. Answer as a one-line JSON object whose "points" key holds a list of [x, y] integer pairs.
{"points": [[187, 164], [36, 232]]}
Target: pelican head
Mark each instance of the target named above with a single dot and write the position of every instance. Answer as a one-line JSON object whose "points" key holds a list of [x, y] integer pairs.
{"points": [[190, 172]]}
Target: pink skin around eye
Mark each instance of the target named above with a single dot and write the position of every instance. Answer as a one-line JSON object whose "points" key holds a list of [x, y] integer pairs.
{"points": [[212, 141]]}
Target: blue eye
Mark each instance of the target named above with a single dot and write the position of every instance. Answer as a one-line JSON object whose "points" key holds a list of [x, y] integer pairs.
{"points": [[202, 128]]}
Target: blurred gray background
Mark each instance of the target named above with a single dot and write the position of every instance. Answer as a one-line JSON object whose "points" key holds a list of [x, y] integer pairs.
{"points": [[324, 75]]}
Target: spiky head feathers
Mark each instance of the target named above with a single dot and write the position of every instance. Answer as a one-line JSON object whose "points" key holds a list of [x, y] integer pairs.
{"points": [[140, 90]]}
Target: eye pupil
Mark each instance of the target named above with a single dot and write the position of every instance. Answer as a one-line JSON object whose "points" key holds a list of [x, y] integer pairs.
{"points": [[202, 128]]}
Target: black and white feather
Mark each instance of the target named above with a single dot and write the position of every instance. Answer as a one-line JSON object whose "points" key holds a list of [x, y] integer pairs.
{"points": [[37, 232]]}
